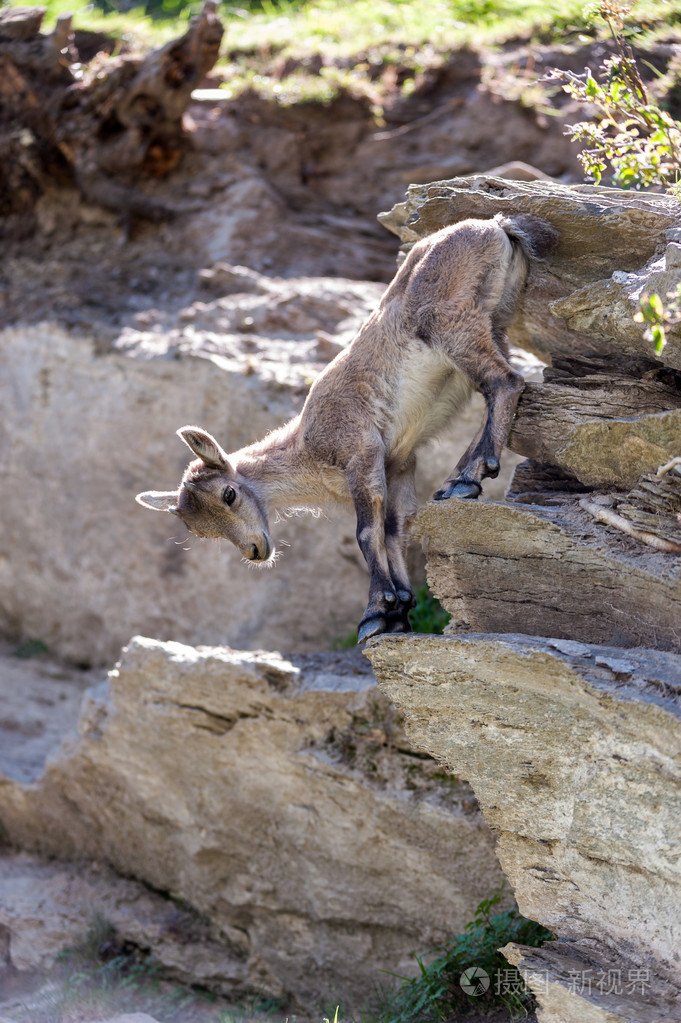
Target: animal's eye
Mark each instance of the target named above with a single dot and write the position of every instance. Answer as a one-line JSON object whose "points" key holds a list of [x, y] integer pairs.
{"points": [[229, 496]]}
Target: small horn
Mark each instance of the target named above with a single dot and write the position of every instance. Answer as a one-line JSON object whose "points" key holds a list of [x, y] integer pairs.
{"points": [[175, 511], [191, 487]]}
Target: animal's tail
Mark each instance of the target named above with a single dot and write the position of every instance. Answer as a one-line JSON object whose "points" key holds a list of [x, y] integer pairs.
{"points": [[536, 237]]}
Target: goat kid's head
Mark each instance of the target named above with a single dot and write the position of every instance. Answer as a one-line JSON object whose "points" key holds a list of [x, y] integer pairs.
{"points": [[215, 500]]}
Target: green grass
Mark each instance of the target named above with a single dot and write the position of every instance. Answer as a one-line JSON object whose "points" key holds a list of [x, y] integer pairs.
{"points": [[358, 32], [374, 50], [133, 27], [428, 614], [436, 993], [347, 29]]}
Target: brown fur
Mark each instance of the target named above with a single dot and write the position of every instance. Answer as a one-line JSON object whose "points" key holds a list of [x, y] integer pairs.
{"points": [[439, 332]]}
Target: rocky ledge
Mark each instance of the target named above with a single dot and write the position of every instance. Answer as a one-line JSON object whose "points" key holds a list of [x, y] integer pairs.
{"points": [[574, 752]]}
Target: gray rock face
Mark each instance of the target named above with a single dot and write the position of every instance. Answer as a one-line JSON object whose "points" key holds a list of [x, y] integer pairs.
{"points": [[574, 752], [47, 907], [84, 567], [280, 800]]}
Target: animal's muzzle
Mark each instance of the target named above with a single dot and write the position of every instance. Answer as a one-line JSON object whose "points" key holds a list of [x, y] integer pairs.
{"points": [[261, 551]]}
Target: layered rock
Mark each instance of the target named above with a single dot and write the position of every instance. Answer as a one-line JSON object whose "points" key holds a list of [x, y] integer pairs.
{"points": [[549, 570], [572, 747], [573, 751], [603, 427], [47, 907], [606, 308], [280, 800]]}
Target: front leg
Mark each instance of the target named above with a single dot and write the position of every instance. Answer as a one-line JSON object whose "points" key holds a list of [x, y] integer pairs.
{"points": [[366, 482], [401, 504]]}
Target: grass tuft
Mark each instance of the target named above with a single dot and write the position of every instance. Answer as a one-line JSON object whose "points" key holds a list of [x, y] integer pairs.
{"points": [[428, 614], [436, 993]]}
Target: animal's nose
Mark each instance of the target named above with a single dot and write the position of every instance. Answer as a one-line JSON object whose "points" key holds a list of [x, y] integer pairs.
{"points": [[260, 549]]}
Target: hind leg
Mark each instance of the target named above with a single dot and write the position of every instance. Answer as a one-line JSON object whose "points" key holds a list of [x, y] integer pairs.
{"points": [[501, 387]]}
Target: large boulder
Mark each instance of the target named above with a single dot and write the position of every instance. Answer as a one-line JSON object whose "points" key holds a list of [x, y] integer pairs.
{"points": [[278, 798], [573, 751]]}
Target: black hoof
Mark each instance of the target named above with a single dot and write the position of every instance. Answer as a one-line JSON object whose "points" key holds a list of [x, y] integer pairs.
{"points": [[406, 598], [398, 621], [465, 489], [374, 625], [492, 467]]}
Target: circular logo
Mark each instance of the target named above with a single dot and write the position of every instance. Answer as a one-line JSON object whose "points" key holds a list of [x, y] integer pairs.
{"points": [[474, 981]]}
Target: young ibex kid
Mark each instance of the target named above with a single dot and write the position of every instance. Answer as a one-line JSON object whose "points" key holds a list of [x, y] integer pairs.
{"points": [[439, 332]]}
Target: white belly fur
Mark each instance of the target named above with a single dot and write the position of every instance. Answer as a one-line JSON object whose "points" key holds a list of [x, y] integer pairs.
{"points": [[428, 394]]}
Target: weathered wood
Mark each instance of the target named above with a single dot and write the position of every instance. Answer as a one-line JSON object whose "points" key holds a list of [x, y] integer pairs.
{"points": [[650, 512], [549, 571], [118, 120]]}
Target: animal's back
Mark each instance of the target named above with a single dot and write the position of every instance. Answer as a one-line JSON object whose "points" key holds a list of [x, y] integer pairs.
{"points": [[397, 377]]}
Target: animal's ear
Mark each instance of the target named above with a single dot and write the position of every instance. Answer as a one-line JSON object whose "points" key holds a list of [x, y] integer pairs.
{"points": [[205, 447], [159, 500]]}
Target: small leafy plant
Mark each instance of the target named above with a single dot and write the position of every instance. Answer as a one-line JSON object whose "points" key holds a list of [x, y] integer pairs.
{"points": [[428, 614], [658, 317], [31, 648], [638, 139], [437, 993]]}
